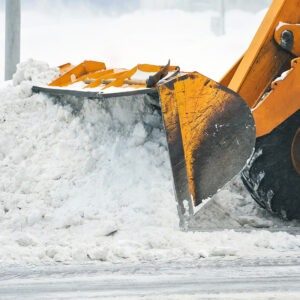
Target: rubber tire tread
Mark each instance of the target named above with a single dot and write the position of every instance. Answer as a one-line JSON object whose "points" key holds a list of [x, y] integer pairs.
{"points": [[270, 176]]}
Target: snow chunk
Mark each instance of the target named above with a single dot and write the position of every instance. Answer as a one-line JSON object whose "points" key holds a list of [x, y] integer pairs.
{"points": [[139, 135], [35, 72]]}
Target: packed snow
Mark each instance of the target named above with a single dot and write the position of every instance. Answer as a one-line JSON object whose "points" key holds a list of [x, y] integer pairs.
{"points": [[90, 181]]}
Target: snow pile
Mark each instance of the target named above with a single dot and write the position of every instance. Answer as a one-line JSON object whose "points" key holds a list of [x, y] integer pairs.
{"points": [[92, 181], [85, 173]]}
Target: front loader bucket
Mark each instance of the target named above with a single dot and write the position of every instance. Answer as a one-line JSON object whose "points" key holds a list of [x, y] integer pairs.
{"points": [[210, 129], [210, 133]]}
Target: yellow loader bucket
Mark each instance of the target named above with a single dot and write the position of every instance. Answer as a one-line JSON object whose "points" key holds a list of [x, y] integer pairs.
{"points": [[210, 132]]}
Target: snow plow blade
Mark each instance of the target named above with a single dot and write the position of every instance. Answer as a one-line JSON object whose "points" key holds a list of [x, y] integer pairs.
{"points": [[210, 132]]}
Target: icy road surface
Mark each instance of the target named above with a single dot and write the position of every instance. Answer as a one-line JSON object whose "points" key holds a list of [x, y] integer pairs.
{"points": [[215, 279]]}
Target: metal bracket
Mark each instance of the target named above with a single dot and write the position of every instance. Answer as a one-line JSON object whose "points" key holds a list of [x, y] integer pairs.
{"points": [[288, 37]]}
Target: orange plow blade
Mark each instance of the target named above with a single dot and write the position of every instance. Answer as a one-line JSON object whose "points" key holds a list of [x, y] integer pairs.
{"points": [[211, 134]]}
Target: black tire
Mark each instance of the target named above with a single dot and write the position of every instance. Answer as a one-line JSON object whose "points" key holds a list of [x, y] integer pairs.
{"points": [[270, 175]]}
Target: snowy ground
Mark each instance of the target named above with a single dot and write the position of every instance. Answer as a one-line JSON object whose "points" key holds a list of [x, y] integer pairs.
{"points": [[93, 182], [209, 280]]}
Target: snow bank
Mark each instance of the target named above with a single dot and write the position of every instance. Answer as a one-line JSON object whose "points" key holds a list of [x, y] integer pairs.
{"points": [[92, 181]]}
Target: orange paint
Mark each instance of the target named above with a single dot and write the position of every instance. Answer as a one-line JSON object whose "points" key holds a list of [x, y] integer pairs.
{"points": [[264, 60], [82, 69], [282, 102]]}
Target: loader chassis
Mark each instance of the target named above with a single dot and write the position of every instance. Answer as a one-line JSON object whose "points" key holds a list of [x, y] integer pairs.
{"points": [[268, 79]]}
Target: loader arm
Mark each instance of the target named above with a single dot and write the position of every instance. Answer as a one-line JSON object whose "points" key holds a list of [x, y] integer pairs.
{"points": [[265, 59]]}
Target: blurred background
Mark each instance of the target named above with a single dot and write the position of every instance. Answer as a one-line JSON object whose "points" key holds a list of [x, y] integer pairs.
{"points": [[203, 35], [125, 6]]}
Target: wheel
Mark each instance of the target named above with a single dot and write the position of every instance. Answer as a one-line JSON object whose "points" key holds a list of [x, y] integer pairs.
{"points": [[271, 176], [296, 151]]}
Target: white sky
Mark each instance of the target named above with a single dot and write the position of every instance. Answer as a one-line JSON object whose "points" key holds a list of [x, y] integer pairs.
{"points": [[61, 34]]}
